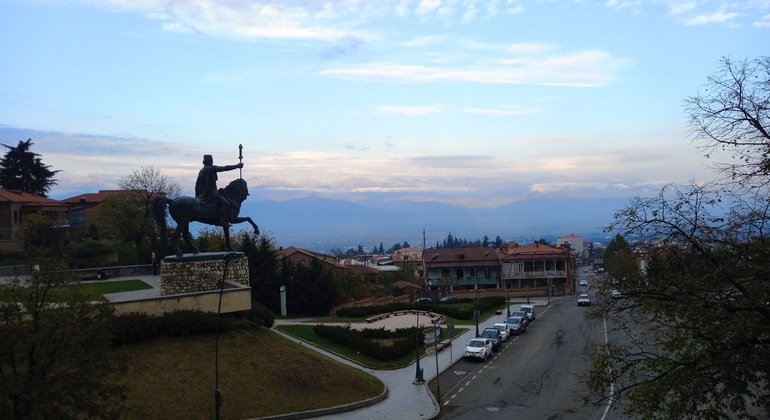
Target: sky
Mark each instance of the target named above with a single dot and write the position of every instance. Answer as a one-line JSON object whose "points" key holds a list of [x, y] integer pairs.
{"points": [[478, 103]]}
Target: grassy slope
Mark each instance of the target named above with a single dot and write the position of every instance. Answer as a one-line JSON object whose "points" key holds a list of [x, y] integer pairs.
{"points": [[260, 374]]}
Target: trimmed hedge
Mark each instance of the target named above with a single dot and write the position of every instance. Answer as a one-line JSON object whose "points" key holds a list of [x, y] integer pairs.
{"points": [[134, 327], [364, 341]]}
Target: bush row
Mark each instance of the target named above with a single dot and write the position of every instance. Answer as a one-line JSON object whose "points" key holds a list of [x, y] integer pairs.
{"points": [[134, 327], [365, 341]]}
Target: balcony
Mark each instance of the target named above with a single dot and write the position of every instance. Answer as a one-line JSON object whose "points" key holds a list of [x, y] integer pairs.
{"points": [[533, 274], [464, 281]]}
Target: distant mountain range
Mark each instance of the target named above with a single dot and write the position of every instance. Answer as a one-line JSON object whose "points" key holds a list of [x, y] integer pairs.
{"points": [[324, 224]]}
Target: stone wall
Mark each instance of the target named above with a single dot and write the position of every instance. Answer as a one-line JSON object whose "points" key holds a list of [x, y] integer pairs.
{"points": [[200, 272]]}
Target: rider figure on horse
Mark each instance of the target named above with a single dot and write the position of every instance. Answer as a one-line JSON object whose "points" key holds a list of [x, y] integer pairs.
{"points": [[206, 189]]}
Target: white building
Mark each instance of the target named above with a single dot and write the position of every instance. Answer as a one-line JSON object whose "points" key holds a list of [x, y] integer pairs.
{"points": [[575, 243]]}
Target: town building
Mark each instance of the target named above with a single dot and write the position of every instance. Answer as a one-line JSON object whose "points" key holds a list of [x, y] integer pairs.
{"points": [[533, 267], [461, 269]]}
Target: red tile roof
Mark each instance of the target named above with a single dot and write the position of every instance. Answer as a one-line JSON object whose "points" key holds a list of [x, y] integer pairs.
{"points": [[95, 197], [535, 249], [18, 196]]}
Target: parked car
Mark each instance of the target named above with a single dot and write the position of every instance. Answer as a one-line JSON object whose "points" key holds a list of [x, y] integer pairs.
{"points": [[616, 294], [584, 300], [424, 300], [521, 314], [517, 325], [478, 348], [493, 334], [448, 299], [583, 282], [505, 330], [530, 310]]}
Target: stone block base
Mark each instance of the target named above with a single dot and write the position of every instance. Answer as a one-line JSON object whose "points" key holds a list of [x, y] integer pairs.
{"points": [[200, 272]]}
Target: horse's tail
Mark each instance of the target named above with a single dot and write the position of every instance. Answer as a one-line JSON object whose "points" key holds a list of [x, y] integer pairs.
{"points": [[159, 210]]}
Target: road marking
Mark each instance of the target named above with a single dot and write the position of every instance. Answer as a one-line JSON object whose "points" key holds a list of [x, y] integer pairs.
{"points": [[467, 383]]}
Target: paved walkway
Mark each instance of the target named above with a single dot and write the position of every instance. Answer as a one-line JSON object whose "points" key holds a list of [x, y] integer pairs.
{"points": [[405, 399]]}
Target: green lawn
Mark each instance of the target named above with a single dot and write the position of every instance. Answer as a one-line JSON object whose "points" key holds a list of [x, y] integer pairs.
{"points": [[101, 288], [260, 374]]}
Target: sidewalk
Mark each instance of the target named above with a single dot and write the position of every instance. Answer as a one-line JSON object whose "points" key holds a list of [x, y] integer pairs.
{"points": [[405, 399]]}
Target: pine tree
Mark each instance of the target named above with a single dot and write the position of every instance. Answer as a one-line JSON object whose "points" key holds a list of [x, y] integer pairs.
{"points": [[22, 169]]}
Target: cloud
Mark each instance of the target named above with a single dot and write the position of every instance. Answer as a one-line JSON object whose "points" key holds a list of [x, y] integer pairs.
{"points": [[391, 110], [585, 68], [716, 17], [763, 23]]}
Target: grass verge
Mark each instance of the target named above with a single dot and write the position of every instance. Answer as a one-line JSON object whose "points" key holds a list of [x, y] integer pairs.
{"points": [[260, 374], [101, 288]]}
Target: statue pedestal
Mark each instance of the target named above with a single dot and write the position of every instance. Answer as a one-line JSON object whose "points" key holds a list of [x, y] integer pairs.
{"points": [[201, 272]]}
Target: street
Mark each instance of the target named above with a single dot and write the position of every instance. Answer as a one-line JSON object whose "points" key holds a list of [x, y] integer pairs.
{"points": [[540, 374]]}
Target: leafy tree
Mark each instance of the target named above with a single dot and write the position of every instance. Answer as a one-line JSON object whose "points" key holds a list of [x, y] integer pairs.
{"points": [[55, 354], [692, 329], [22, 169], [122, 217], [41, 237]]}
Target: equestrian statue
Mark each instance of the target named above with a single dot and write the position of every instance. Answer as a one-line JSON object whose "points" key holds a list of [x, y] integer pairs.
{"points": [[212, 206]]}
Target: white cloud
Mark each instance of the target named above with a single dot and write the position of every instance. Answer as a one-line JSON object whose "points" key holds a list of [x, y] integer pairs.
{"points": [[585, 68], [716, 17], [763, 23]]}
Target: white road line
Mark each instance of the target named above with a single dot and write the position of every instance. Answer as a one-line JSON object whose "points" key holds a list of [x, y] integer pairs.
{"points": [[612, 384]]}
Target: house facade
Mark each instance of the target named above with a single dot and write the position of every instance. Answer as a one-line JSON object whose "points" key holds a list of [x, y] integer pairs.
{"points": [[16, 206], [447, 270], [535, 266]]}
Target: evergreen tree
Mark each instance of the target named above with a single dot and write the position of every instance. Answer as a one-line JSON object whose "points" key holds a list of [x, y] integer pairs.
{"points": [[22, 169]]}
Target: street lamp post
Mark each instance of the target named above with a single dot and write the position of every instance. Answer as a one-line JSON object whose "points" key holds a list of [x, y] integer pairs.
{"points": [[418, 378], [217, 393]]}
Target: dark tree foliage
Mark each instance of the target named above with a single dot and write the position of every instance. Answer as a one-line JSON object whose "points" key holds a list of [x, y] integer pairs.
{"points": [[691, 331], [22, 169], [264, 276], [55, 357]]}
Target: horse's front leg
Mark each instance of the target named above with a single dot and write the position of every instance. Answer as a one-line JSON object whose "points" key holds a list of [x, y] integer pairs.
{"points": [[247, 219]]}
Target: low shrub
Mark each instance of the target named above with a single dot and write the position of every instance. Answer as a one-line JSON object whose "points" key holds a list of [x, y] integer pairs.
{"points": [[134, 327], [365, 341]]}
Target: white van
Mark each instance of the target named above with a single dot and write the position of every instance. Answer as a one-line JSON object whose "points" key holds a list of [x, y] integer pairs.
{"points": [[530, 310]]}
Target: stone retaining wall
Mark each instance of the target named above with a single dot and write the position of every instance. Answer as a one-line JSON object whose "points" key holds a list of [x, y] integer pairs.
{"points": [[200, 272]]}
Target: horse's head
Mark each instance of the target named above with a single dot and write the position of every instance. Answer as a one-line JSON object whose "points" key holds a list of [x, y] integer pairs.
{"points": [[237, 190]]}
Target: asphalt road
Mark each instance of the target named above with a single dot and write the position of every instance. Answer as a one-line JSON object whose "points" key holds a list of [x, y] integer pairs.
{"points": [[540, 374]]}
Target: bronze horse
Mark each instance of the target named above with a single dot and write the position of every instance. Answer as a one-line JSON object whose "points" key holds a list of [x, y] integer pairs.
{"points": [[190, 209]]}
